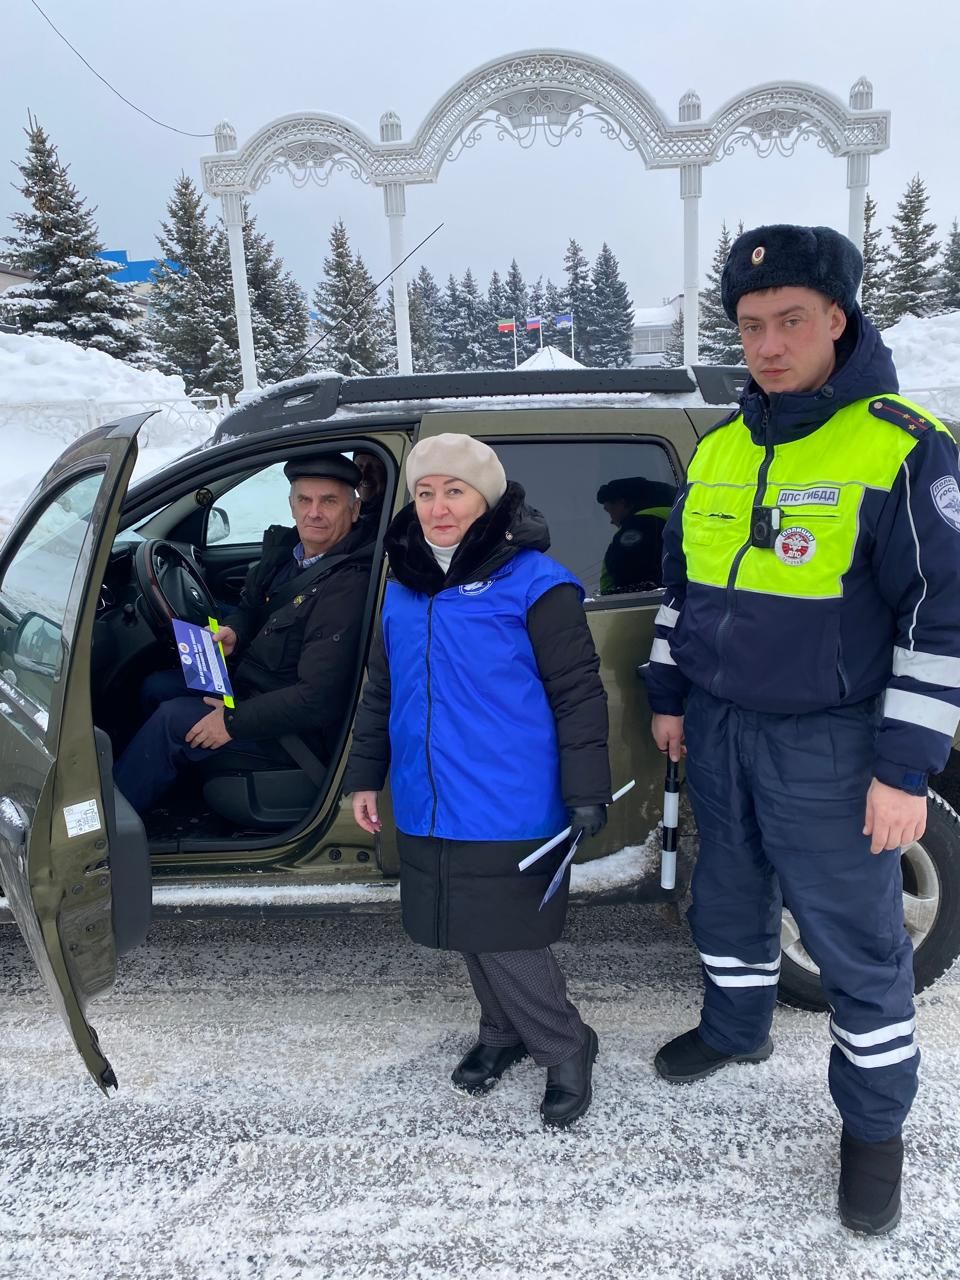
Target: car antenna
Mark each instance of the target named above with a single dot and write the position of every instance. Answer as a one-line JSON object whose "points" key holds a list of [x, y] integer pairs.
{"points": [[323, 337]]}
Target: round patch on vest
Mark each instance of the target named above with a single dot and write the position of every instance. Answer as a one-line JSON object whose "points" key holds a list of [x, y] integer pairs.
{"points": [[795, 546], [476, 588], [946, 496], [758, 255]]}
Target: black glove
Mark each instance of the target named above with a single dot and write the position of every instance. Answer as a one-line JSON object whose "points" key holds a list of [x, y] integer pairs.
{"points": [[588, 818]]}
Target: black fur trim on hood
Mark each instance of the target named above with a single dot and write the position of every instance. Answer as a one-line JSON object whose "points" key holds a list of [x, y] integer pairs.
{"points": [[491, 541]]}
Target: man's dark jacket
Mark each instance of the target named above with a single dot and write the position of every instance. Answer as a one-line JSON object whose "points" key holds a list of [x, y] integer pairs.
{"points": [[297, 642]]}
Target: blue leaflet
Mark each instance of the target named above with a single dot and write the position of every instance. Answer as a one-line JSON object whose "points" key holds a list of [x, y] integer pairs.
{"points": [[203, 666]]}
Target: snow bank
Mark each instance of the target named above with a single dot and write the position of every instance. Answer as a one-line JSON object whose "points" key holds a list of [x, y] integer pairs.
{"points": [[927, 356], [52, 392]]}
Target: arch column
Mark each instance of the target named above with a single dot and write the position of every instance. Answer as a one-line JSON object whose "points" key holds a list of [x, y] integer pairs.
{"points": [[231, 203], [395, 207], [691, 189], [858, 167]]}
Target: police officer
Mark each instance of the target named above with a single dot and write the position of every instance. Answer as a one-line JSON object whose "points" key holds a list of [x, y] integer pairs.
{"points": [[807, 658]]}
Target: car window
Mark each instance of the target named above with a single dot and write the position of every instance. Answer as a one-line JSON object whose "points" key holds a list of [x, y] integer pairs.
{"points": [[605, 502], [253, 505], [35, 589]]}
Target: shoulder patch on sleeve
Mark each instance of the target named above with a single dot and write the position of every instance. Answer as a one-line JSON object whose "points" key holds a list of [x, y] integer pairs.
{"points": [[907, 419]]}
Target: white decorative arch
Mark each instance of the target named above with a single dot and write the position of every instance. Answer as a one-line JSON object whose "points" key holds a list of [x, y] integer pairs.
{"points": [[541, 95]]}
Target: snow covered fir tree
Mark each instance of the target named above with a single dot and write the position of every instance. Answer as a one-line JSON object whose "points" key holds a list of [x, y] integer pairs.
{"points": [[578, 295], [673, 351], [912, 285], [950, 271], [873, 291], [191, 320], [278, 308], [73, 294], [611, 328], [350, 320], [719, 336]]}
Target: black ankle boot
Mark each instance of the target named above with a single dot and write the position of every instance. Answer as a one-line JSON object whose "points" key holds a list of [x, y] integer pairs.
{"points": [[869, 1192], [688, 1058], [482, 1066], [570, 1085]]}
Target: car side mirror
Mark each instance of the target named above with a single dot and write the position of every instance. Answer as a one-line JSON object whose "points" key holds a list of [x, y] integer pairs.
{"points": [[218, 525], [38, 645]]}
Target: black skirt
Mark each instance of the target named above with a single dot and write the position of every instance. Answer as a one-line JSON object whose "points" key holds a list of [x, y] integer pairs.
{"points": [[467, 895]]}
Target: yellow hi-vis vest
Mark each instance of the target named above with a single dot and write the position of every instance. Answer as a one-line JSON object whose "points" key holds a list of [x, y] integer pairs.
{"points": [[818, 482]]}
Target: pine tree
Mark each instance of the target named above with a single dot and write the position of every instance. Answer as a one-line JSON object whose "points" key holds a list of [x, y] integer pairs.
{"points": [[516, 303], [874, 288], [425, 317], [579, 298], [191, 303], [719, 336], [554, 305], [950, 270], [912, 279], [500, 347], [354, 322], [278, 308], [611, 339], [73, 294], [673, 352], [473, 326], [451, 346]]}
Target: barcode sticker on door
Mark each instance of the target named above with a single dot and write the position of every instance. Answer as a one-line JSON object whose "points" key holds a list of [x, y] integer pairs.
{"points": [[81, 818]]}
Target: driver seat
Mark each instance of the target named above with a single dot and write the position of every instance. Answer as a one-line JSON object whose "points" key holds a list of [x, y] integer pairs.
{"points": [[251, 795]]}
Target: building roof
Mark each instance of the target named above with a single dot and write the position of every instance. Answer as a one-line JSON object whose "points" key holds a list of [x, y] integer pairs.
{"points": [[139, 271]]}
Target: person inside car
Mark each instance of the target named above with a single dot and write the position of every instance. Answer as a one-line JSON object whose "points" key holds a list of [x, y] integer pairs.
{"points": [[291, 645], [373, 484], [639, 509]]}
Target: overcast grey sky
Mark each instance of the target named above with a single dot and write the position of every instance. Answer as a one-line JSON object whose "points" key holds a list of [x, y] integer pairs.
{"points": [[194, 62]]}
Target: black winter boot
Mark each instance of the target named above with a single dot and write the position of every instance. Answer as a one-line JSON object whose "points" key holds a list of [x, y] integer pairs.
{"points": [[869, 1192], [569, 1088], [482, 1066], [688, 1058]]}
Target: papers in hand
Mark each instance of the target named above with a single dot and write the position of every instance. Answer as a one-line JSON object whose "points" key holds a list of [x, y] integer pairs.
{"points": [[202, 661], [557, 880], [538, 853]]}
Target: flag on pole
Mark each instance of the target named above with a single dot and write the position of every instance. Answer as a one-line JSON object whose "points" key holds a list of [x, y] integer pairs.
{"points": [[533, 322], [565, 321], [506, 326]]}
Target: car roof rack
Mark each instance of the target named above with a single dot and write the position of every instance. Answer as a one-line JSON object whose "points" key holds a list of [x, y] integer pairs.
{"points": [[318, 396]]}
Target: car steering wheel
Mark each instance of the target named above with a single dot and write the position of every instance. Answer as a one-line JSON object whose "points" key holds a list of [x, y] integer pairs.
{"points": [[170, 586]]}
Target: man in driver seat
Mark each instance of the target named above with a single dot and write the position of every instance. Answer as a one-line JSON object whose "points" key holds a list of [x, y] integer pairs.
{"points": [[292, 644]]}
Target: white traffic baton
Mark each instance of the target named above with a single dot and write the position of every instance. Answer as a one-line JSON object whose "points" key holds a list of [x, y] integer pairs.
{"points": [[671, 820]]}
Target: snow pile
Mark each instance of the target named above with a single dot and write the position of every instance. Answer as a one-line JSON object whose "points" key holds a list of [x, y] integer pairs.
{"points": [[550, 358], [52, 392], [927, 356]]}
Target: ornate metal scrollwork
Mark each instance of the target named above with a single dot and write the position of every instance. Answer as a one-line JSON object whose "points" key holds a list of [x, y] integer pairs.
{"points": [[774, 133]]}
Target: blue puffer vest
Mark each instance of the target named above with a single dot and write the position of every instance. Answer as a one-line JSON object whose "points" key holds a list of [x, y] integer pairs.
{"points": [[473, 741]]}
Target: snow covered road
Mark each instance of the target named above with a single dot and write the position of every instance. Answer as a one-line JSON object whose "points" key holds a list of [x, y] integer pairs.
{"points": [[284, 1112]]}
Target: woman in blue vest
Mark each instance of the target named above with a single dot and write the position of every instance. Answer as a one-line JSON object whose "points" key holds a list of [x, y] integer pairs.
{"points": [[484, 702]]}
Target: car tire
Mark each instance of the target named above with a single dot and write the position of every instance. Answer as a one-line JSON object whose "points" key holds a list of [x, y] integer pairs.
{"points": [[931, 896]]}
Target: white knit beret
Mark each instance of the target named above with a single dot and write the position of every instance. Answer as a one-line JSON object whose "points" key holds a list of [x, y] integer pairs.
{"points": [[452, 454]]}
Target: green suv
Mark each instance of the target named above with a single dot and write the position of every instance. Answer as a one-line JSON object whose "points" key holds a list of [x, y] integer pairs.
{"points": [[92, 573]]}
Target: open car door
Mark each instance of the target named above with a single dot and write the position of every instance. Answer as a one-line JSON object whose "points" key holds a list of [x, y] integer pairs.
{"points": [[68, 844]]}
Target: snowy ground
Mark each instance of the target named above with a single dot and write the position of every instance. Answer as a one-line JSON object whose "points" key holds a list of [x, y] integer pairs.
{"points": [[284, 1112]]}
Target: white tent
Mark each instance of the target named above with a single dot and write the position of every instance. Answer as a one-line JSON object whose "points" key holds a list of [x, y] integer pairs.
{"points": [[549, 358]]}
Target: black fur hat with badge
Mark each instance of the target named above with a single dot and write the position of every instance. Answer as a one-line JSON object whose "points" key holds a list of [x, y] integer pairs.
{"points": [[779, 256]]}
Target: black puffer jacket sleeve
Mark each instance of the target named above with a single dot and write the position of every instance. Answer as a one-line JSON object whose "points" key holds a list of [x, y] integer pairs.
{"points": [[316, 703], [248, 616], [370, 752], [570, 670]]}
